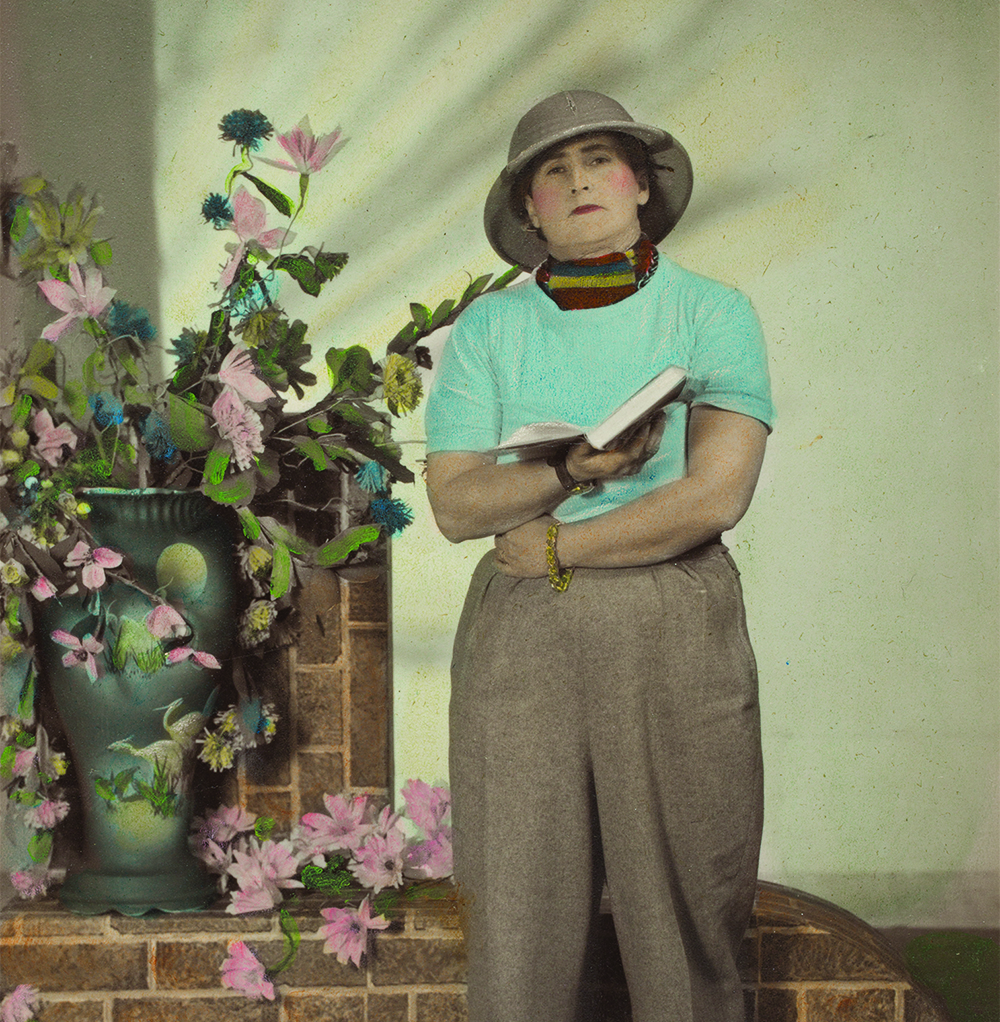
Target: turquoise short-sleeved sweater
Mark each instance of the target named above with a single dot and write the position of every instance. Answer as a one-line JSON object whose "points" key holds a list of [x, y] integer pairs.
{"points": [[514, 357]]}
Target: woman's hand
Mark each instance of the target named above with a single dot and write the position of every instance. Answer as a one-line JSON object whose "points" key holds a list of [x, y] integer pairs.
{"points": [[587, 464], [521, 552]]}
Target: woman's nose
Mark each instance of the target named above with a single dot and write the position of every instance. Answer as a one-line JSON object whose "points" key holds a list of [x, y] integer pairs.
{"points": [[578, 179]]}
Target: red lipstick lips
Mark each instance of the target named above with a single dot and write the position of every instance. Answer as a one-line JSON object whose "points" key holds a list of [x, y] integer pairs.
{"points": [[585, 209]]}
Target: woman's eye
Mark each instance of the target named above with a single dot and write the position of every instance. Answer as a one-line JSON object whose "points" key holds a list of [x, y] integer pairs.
{"points": [[555, 170]]}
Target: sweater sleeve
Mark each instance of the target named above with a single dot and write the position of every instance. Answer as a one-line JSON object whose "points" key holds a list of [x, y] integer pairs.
{"points": [[729, 361]]}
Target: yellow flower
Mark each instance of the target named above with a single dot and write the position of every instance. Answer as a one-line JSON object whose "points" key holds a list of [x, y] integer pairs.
{"points": [[13, 574], [10, 648], [401, 384], [258, 561], [256, 328], [65, 231], [215, 751]]}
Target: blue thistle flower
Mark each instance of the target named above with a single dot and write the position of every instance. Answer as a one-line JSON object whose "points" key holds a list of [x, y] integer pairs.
{"points": [[393, 514], [184, 347], [218, 211], [246, 128], [126, 319], [107, 410], [156, 437], [372, 478]]}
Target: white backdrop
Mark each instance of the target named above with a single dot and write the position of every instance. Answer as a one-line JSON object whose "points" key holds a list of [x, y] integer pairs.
{"points": [[846, 172]]}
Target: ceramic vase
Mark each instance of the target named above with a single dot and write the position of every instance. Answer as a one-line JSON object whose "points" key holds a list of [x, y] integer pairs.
{"points": [[132, 733]]}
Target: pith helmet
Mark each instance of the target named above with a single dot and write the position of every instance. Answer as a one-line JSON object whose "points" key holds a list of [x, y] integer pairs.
{"points": [[563, 116]]}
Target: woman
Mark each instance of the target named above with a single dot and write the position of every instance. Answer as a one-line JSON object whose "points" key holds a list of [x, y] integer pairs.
{"points": [[604, 717]]}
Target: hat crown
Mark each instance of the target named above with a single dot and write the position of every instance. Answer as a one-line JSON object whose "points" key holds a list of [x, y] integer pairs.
{"points": [[559, 116]]}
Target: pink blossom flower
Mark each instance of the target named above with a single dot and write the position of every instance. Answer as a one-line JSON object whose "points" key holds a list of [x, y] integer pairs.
{"points": [[239, 372], [309, 153], [427, 807], [42, 588], [51, 438], [431, 859], [347, 931], [31, 883], [79, 299], [261, 870], [81, 652], [243, 972], [20, 1005], [387, 822], [225, 823], [379, 862], [212, 839], [164, 622], [240, 425], [48, 814], [93, 563], [249, 219], [342, 831], [24, 760], [200, 657]]}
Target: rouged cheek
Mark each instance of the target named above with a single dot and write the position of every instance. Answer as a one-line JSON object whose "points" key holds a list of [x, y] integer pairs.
{"points": [[622, 179], [547, 200]]}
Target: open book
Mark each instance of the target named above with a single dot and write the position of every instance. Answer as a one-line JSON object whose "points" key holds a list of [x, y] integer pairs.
{"points": [[542, 438]]}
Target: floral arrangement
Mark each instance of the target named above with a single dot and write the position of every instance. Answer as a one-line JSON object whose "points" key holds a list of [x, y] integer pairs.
{"points": [[223, 422], [354, 852]]}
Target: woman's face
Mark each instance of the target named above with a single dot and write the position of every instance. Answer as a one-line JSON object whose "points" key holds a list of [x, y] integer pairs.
{"points": [[585, 199]]}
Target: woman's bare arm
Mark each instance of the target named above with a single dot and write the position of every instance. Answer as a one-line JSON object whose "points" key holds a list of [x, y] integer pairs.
{"points": [[472, 496], [725, 452]]}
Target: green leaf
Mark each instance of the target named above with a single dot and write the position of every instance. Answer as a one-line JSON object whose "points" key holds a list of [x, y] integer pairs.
{"points": [[314, 450], [92, 365], [26, 701], [42, 386], [41, 354], [351, 369], [290, 930], [217, 329], [281, 571], [442, 312], [303, 270], [329, 264], [281, 202], [76, 398], [100, 252], [421, 315], [319, 425], [7, 762], [475, 288], [504, 279], [104, 789], [215, 466], [277, 533], [40, 846], [130, 366], [338, 549], [189, 427], [249, 523], [234, 489], [263, 827]]}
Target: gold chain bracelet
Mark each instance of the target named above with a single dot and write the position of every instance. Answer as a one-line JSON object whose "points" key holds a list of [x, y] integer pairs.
{"points": [[558, 579]]}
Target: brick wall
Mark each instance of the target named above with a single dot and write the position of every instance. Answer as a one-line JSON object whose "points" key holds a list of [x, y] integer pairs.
{"points": [[334, 695], [803, 961]]}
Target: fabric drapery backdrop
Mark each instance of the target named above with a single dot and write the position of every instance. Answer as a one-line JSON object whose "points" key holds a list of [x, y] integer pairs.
{"points": [[845, 180]]}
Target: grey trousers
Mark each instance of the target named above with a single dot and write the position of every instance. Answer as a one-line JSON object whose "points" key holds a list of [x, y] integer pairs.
{"points": [[611, 732]]}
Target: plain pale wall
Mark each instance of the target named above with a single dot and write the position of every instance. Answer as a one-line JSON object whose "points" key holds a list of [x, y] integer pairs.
{"points": [[846, 170]]}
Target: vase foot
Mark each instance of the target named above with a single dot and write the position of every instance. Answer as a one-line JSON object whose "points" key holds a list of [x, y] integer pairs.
{"points": [[89, 893]]}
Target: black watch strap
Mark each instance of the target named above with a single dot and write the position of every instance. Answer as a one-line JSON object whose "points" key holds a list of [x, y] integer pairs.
{"points": [[569, 484]]}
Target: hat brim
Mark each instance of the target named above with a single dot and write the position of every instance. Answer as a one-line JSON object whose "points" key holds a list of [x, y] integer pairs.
{"points": [[674, 182]]}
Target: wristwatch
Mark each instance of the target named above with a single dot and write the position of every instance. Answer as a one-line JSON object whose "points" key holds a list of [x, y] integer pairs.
{"points": [[569, 484]]}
